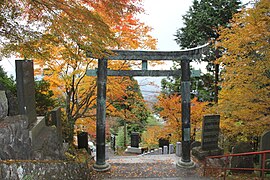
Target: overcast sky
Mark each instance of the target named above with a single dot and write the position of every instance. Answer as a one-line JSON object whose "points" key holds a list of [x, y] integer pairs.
{"points": [[165, 17]]}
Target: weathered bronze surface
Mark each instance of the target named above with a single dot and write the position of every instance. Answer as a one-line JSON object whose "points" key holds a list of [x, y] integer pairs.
{"points": [[156, 55], [184, 56]]}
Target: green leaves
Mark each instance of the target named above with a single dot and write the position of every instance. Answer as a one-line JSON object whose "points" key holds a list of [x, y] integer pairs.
{"points": [[202, 21]]}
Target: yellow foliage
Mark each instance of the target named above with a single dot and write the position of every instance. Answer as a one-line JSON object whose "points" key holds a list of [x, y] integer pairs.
{"points": [[244, 99], [151, 136]]}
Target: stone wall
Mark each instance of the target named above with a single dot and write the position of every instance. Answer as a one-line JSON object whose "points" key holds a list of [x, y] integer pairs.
{"points": [[14, 138], [15, 141], [42, 170]]}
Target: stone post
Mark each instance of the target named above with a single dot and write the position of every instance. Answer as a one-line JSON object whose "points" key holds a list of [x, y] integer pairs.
{"points": [[171, 149], [165, 149], [178, 149], [160, 150], [106, 152], [101, 164]]}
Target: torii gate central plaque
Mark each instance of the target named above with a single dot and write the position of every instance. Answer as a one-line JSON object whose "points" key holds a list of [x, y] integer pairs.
{"points": [[185, 56]]}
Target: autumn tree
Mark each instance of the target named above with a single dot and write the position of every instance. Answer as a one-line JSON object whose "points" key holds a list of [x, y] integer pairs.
{"points": [[170, 110], [131, 108], [151, 135], [23, 21], [60, 51], [63, 33], [244, 98], [201, 25], [44, 97]]}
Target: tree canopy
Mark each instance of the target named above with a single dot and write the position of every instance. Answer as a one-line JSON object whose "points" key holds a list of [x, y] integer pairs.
{"points": [[88, 23], [245, 98], [201, 25], [203, 19]]}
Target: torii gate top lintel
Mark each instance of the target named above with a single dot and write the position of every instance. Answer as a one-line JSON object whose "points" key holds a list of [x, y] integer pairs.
{"points": [[157, 55]]}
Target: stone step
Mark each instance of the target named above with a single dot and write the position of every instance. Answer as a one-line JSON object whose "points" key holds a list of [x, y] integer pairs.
{"points": [[170, 158]]}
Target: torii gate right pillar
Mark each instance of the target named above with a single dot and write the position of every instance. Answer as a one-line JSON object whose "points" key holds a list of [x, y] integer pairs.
{"points": [[185, 160]]}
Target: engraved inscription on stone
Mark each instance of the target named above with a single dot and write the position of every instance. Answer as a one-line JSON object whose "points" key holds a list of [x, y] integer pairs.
{"points": [[210, 132]]}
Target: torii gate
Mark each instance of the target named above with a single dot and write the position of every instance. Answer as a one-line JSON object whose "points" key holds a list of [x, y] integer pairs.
{"points": [[185, 56]]}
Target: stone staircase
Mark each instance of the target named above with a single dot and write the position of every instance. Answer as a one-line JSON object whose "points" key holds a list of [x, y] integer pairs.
{"points": [[168, 158], [152, 167]]}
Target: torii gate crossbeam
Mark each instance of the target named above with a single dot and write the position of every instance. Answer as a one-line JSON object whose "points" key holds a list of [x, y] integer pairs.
{"points": [[185, 56]]}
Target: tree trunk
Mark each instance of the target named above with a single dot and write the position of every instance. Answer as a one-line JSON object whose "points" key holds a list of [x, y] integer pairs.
{"points": [[217, 53], [125, 134], [216, 83]]}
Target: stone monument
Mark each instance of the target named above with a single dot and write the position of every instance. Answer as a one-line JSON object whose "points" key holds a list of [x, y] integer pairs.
{"points": [[265, 145], [242, 161], [26, 136], [26, 89], [163, 142], [26, 99], [135, 140], [210, 133]]}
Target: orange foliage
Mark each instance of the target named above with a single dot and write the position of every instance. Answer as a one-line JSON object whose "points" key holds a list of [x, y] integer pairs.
{"points": [[74, 28], [171, 113]]}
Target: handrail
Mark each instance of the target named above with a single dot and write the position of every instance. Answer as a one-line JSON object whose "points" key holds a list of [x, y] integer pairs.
{"points": [[225, 168]]}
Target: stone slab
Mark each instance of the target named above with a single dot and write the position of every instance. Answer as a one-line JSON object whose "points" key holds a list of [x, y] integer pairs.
{"points": [[36, 128], [135, 139], [133, 150]]}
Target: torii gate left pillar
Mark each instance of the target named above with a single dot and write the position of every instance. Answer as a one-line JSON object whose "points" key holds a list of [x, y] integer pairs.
{"points": [[101, 164]]}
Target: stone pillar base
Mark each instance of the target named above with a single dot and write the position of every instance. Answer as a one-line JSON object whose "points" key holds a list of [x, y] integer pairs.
{"points": [[201, 154], [186, 165], [101, 168]]}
